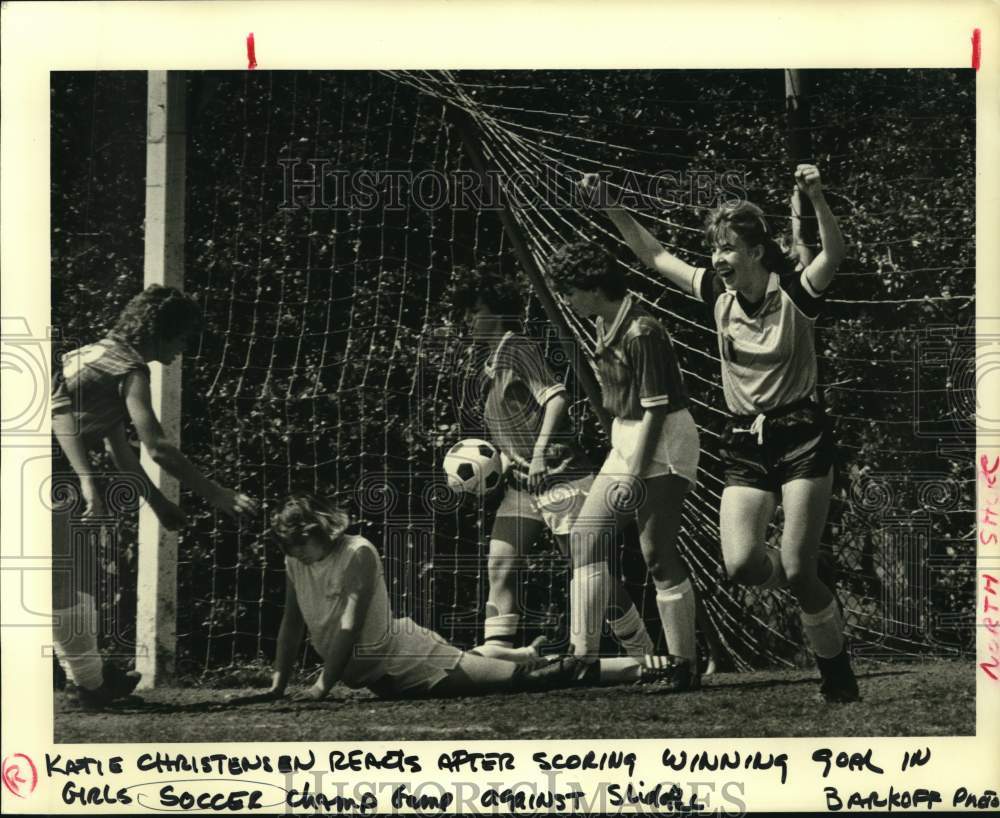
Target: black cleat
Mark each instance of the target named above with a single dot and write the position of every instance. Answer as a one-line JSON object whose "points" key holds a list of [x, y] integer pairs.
{"points": [[839, 684], [58, 675], [549, 673], [672, 673], [117, 684]]}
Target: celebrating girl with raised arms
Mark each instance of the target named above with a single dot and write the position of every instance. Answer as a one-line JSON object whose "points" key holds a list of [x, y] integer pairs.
{"points": [[778, 441]]}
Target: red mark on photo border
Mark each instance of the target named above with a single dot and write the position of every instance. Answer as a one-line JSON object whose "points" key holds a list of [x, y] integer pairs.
{"points": [[976, 48], [12, 779], [252, 57]]}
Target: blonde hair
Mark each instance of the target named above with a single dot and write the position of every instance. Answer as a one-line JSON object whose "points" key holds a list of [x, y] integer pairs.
{"points": [[303, 515], [747, 221]]}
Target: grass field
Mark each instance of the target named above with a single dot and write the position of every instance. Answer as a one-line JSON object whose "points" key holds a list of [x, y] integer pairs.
{"points": [[920, 699]]}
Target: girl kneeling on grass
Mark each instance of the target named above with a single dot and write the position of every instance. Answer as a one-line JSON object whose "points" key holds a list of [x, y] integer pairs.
{"points": [[335, 587]]}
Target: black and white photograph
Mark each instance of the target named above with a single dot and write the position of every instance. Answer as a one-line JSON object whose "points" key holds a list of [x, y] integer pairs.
{"points": [[489, 405], [388, 308]]}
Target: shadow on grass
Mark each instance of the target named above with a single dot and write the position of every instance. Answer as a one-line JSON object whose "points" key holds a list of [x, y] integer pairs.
{"points": [[809, 680], [136, 705]]}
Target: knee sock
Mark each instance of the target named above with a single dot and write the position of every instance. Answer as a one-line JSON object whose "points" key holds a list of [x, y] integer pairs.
{"points": [[631, 631], [677, 613], [776, 579], [501, 629], [75, 632], [824, 631], [588, 603], [619, 670]]}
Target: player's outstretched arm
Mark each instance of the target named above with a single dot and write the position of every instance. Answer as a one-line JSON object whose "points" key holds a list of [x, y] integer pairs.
{"points": [[643, 243], [803, 252], [167, 455], [359, 581], [65, 430], [820, 271], [126, 461], [290, 634]]}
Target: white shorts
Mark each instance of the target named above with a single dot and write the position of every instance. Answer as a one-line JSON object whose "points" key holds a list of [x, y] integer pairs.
{"points": [[557, 508], [677, 451], [416, 659]]}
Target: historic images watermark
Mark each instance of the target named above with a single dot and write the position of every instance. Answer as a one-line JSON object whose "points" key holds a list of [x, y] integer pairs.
{"points": [[318, 184]]}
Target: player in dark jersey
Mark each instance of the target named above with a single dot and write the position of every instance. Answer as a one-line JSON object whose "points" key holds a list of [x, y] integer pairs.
{"points": [[778, 441], [654, 456], [526, 414], [97, 389]]}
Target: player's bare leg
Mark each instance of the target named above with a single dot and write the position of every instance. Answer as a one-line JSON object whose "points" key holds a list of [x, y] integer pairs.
{"points": [[479, 674], [806, 502], [744, 517], [659, 520], [623, 617], [75, 620], [590, 542], [510, 538]]}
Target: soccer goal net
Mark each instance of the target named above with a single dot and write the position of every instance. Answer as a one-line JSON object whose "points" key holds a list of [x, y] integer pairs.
{"points": [[330, 216]]}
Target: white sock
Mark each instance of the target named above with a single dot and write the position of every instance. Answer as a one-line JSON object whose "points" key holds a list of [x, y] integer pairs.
{"points": [[631, 631], [75, 633], [588, 602], [776, 579], [620, 669], [824, 631], [677, 613], [501, 629]]}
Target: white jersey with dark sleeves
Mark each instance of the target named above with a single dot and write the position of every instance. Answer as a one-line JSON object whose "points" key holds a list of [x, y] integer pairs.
{"points": [[767, 350]]}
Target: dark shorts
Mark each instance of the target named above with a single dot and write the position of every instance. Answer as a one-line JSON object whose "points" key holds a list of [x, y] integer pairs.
{"points": [[794, 442]]}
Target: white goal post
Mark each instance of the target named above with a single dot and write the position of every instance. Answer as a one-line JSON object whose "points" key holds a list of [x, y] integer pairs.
{"points": [[156, 603]]}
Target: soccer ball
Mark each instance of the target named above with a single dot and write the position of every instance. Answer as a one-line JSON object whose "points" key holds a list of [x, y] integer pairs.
{"points": [[473, 466]]}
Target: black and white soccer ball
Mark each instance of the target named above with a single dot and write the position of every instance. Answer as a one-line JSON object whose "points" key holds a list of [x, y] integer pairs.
{"points": [[473, 466]]}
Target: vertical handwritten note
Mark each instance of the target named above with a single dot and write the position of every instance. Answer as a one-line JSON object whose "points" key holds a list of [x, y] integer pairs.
{"points": [[989, 580]]}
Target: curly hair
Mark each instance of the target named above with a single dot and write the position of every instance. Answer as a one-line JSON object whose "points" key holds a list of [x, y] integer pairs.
{"points": [[303, 514], [747, 221], [585, 265], [157, 313], [488, 286]]}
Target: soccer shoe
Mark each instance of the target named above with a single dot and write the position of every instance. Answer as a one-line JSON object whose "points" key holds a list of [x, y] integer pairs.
{"points": [[838, 682], [117, 684], [671, 672], [548, 673], [58, 675]]}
